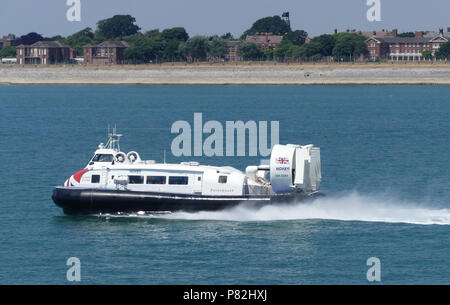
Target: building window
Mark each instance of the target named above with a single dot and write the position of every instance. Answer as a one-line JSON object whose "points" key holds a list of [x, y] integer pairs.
{"points": [[95, 179], [156, 179], [179, 180], [135, 179], [223, 179]]}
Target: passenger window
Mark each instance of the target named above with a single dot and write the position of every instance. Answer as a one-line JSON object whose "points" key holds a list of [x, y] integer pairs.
{"points": [[179, 180], [135, 179], [95, 179], [102, 158], [156, 179], [223, 179]]}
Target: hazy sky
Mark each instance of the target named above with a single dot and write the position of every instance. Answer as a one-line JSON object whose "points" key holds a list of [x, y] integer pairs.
{"points": [[48, 17]]}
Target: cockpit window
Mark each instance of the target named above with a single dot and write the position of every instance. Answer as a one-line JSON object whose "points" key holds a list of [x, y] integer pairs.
{"points": [[102, 158]]}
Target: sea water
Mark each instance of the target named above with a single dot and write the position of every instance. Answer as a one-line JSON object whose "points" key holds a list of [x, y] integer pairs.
{"points": [[386, 176]]}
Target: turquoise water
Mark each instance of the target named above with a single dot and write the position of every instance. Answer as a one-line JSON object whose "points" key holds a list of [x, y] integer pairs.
{"points": [[385, 157]]}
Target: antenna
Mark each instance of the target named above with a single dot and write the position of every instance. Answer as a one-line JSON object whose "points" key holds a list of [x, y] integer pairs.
{"points": [[113, 139], [164, 156]]}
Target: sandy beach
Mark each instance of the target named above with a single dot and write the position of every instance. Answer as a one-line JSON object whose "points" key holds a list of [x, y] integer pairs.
{"points": [[232, 74]]}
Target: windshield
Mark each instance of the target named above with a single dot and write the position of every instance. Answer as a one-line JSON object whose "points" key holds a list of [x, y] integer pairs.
{"points": [[102, 158]]}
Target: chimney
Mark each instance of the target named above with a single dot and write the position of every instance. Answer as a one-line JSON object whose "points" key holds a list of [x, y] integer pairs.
{"points": [[374, 33], [395, 32], [348, 30], [419, 34], [448, 30], [441, 31], [335, 31]]}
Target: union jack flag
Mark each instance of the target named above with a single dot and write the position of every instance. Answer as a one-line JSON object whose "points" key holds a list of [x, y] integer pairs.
{"points": [[283, 161]]}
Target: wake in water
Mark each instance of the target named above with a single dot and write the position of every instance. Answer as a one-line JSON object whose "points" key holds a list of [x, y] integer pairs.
{"points": [[351, 207]]}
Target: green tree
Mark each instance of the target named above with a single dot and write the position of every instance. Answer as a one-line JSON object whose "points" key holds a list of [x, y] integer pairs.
{"points": [[349, 46], [31, 38], [297, 37], [311, 51], [407, 34], [274, 25], [283, 47], [153, 34], [8, 52], [143, 49], [427, 54], [294, 52], [444, 51], [227, 36], [196, 48], [117, 26], [250, 51], [57, 38], [177, 33], [269, 54], [171, 50], [218, 47], [79, 39], [326, 44]]}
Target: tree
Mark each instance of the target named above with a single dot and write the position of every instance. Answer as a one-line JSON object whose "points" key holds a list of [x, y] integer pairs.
{"points": [[57, 38], [178, 33], [250, 51], [349, 46], [325, 43], [227, 36], [117, 26], [269, 54], [154, 34], [274, 25], [196, 48], [444, 51], [171, 50], [218, 47], [143, 49], [283, 47], [407, 34], [297, 37], [311, 51], [79, 39], [427, 54], [8, 52], [31, 38]]}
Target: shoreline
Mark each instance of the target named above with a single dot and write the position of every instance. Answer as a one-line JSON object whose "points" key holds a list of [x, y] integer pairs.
{"points": [[231, 74]]}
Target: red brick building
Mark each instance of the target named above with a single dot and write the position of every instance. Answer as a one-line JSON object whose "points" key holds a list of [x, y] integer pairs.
{"points": [[404, 48], [232, 50], [105, 53], [266, 41], [9, 40], [44, 53]]}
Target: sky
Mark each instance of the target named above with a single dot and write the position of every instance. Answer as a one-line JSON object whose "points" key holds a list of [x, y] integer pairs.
{"points": [[209, 17]]}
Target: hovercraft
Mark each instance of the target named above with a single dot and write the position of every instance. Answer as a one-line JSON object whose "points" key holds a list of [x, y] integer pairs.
{"points": [[114, 181]]}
